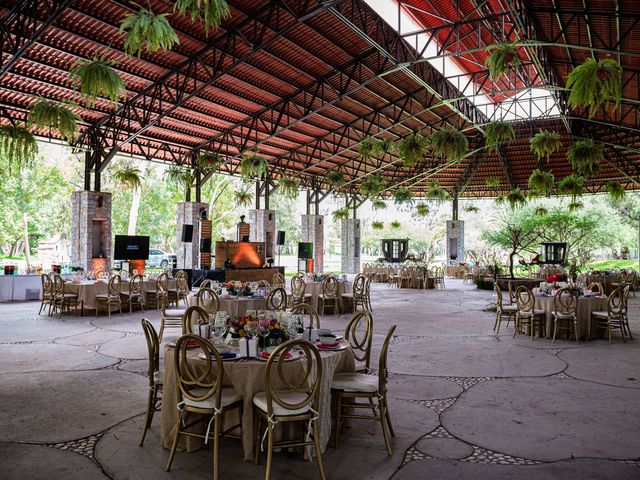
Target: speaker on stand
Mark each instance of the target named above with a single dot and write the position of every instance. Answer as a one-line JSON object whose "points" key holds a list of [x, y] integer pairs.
{"points": [[280, 243], [187, 237]]}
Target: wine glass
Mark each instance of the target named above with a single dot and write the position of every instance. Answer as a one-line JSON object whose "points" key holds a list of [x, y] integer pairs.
{"points": [[263, 328], [251, 313], [251, 328], [219, 327]]}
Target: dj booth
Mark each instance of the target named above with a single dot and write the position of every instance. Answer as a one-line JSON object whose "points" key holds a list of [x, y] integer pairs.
{"points": [[196, 277]]}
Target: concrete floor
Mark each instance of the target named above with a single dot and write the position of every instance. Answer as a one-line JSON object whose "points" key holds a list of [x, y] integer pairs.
{"points": [[466, 403]]}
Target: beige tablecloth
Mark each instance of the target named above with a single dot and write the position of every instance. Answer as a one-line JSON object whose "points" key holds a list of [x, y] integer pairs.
{"points": [[87, 291], [586, 305], [315, 289], [248, 379], [236, 306]]}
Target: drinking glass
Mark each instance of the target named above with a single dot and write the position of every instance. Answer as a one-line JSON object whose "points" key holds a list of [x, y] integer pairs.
{"points": [[263, 327], [251, 313], [262, 314], [219, 327]]}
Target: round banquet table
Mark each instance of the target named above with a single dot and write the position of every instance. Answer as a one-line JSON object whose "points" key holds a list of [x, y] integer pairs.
{"points": [[247, 377], [88, 290], [236, 306], [315, 289], [586, 305]]}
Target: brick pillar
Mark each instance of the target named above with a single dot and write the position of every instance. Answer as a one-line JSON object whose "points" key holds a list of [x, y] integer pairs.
{"points": [[455, 240], [91, 230], [263, 229], [313, 232], [350, 243], [188, 213]]}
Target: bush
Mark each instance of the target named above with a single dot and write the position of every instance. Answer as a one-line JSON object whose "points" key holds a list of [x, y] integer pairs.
{"points": [[484, 283]]}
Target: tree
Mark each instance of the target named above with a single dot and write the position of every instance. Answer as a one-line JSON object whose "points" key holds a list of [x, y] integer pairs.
{"points": [[131, 177]]}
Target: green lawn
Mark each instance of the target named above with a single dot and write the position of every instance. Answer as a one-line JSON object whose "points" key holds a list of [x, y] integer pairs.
{"points": [[610, 264]]}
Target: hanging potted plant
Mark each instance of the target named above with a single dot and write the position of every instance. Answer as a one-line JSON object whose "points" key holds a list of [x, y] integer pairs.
{"points": [[616, 191], [147, 28], [492, 182], [179, 176], [253, 166], [335, 178], [207, 162], [501, 59], [470, 208], [448, 144], [571, 185], [395, 224], [585, 157], [341, 214], [378, 204], [367, 148], [436, 192], [422, 209], [544, 144], [411, 149], [289, 187], [383, 147], [402, 195], [97, 78], [497, 133], [243, 198], [541, 211], [595, 83], [540, 183], [372, 185], [500, 200], [18, 146], [377, 225], [575, 206], [210, 12], [515, 198], [54, 116]]}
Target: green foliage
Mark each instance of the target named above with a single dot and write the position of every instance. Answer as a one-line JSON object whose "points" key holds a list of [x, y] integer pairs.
{"points": [[289, 187], [97, 78], [540, 183], [335, 178], [411, 149], [243, 198], [492, 182], [594, 83], [179, 176], [616, 191], [253, 166], [367, 148], [54, 116], [449, 144], [210, 12], [383, 147], [341, 214], [372, 185], [209, 161], [402, 195], [378, 204], [585, 157], [129, 176], [484, 283], [541, 211], [571, 185], [396, 224], [497, 133], [544, 144], [145, 27], [377, 225], [515, 198], [422, 209], [502, 58], [18, 146], [575, 206], [436, 192], [470, 208]]}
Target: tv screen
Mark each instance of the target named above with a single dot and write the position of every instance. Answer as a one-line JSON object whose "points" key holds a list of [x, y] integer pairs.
{"points": [[131, 248], [305, 250]]}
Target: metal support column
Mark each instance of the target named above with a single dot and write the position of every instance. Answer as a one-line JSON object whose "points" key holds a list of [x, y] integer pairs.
{"points": [[455, 208]]}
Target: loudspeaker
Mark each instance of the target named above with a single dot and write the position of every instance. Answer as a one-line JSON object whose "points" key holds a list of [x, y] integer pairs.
{"points": [[205, 245], [280, 240], [187, 233]]}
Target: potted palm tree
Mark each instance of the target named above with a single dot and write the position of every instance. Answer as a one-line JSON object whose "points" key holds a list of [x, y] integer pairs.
{"points": [[18, 145], [131, 177], [289, 187], [497, 133], [502, 58], [616, 191], [97, 78], [571, 185], [540, 183], [147, 28], [585, 157], [210, 12], [448, 144], [377, 225], [411, 149], [335, 178], [372, 185], [402, 195], [253, 166], [515, 198], [544, 144], [54, 116], [595, 83]]}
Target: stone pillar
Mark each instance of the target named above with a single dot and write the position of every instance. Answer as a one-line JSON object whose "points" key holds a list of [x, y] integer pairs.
{"points": [[350, 243], [91, 230], [263, 229], [189, 213], [455, 241], [313, 232]]}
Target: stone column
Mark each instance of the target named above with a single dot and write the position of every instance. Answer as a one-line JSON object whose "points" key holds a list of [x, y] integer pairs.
{"points": [[91, 230], [313, 232], [350, 243], [263, 229], [455, 240], [189, 213]]}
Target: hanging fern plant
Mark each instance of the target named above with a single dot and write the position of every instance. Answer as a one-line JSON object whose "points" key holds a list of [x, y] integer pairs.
{"points": [[571, 185], [54, 116], [243, 198], [492, 182], [541, 211], [544, 144], [179, 176], [129, 176], [18, 146], [377, 225], [515, 198], [378, 204], [470, 208], [396, 224], [210, 12], [422, 209], [502, 58], [341, 214], [207, 162], [575, 206], [253, 166], [402, 195], [500, 200], [97, 78], [411, 149], [436, 192], [540, 183], [367, 148], [595, 83], [616, 191], [449, 144], [372, 185], [147, 28], [289, 187], [335, 178], [585, 157], [498, 133], [383, 147]]}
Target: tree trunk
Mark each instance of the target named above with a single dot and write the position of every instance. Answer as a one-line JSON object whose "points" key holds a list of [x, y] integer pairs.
{"points": [[27, 253], [513, 254], [134, 210]]}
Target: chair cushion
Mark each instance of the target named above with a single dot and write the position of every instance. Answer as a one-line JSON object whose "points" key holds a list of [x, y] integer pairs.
{"points": [[564, 316], [534, 312], [174, 312], [509, 308], [229, 396], [355, 382], [260, 401], [601, 314]]}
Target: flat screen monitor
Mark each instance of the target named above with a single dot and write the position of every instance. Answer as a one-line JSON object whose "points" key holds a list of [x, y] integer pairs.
{"points": [[305, 250], [131, 248]]}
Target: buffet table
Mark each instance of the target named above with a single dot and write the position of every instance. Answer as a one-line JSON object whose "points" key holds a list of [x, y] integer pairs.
{"points": [[16, 288]]}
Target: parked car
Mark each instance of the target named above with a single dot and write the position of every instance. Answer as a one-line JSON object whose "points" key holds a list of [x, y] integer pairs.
{"points": [[158, 258]]}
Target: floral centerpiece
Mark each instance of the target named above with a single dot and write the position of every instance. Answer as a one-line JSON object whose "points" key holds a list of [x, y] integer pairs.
{"points": [[237, 327], [232, 287], [277, 335]]}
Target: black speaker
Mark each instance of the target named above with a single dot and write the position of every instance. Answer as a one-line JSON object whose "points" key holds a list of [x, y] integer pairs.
{"points": [[280, 237], [205, 245], [187, 233]]}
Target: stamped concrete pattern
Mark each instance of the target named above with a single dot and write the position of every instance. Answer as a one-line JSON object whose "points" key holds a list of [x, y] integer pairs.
{"points": [[465, 402]]}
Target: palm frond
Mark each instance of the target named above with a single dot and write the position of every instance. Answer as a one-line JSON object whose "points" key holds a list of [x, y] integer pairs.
{"points": [[402, 195], [501, 59], [18, 146], [129, 176], [253, 166], [497, 133], [54, 116], [289, 187], [411, 149], [210, 12], [377, 225], [594, 83], [544, 144], [540, 183], [449, 144], [616, 191], [585, 157], [97, 78], [147, 28]]}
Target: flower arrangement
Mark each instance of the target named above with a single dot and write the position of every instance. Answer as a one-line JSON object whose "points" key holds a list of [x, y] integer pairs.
{"points": [[232, 287], [237, 327], [277, 334]]}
